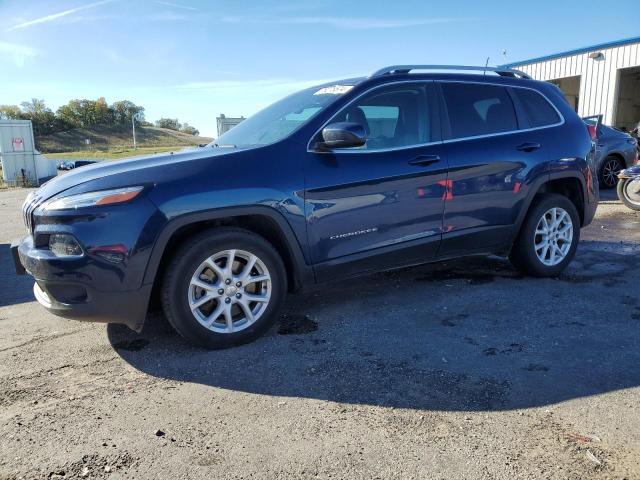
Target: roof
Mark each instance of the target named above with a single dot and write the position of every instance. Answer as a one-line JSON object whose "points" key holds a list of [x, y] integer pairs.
{"points": [[568, 53], [12, 121]]}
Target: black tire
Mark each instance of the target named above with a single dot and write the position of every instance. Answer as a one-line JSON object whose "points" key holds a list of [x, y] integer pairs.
{"points": [[608, 173], [523, 254], [622, 185], [191, 254]]}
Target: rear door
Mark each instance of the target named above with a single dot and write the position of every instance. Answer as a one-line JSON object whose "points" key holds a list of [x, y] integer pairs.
{"points": [[365, 204], [494, 152]]}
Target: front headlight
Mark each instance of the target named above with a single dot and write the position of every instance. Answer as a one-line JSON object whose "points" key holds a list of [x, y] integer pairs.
{"points": [[93, 199]]}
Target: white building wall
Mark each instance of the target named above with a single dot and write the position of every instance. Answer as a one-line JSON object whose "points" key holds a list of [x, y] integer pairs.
{"points": [[21, 163], [599, 78]]}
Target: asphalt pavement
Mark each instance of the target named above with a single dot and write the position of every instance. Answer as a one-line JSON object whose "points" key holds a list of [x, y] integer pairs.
{"points": [[462, 369]]}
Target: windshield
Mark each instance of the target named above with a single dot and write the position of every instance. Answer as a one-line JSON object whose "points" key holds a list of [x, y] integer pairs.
{"points": [[282, 118]]}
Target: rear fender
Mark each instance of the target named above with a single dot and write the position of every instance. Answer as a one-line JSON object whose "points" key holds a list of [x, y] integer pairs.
{"points": [[538, 185]]}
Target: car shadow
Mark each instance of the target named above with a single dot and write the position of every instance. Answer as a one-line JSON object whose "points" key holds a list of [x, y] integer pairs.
{"points": [[14, 288], [470, 334], [608, 195]]}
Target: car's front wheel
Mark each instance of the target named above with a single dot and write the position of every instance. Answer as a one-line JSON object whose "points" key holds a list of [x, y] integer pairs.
{"points": [[549, 237], [224, 287]]}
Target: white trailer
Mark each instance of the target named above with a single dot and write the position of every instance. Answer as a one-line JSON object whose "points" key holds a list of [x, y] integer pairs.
{"points": [[22, 164]]}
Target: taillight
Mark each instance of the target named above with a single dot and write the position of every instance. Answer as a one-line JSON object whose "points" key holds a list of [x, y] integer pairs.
{"points": [[593, 133]]}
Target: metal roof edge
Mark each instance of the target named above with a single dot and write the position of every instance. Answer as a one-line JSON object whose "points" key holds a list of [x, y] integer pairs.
{"points": [[576, 51]]}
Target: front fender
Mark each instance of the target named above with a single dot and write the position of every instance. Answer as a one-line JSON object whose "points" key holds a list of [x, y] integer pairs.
{"points": [[304, 272]]}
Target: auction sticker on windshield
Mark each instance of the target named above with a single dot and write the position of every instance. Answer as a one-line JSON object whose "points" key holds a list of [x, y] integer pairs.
{"points": [[334, 90]]}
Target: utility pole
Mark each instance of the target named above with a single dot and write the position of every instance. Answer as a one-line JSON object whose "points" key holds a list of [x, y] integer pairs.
{"points": [[133, 125]]}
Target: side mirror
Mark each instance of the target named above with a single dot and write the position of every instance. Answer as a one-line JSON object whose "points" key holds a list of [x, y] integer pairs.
{"points": [[343, 135]]}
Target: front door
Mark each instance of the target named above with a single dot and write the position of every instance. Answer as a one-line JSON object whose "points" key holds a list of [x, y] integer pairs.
{"points": [[379, 205]]}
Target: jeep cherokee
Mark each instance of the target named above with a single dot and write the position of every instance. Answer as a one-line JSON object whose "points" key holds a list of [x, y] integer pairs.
{"points": [[412, 164]]}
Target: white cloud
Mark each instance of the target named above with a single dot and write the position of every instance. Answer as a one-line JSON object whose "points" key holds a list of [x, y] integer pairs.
{"points": [[272, 88], [227, 85], [19, 53], [348, 23], [55, 16], [175, 5]]}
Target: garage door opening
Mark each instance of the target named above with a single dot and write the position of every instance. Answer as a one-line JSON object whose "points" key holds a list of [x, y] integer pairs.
{"points": [[570, 86], [628, 101]]}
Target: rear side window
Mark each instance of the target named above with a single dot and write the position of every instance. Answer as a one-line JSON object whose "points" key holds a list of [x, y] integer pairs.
{"points": [[476, 109], [537, 108]]}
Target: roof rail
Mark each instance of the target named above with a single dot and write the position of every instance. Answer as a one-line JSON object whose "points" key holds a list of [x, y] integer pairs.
{"points": [[502, 71]]}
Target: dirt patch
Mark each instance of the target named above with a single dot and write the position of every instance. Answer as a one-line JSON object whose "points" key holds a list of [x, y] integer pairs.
{"points": [[131, 345], [296, 324], [473, 270], [95, 466]]}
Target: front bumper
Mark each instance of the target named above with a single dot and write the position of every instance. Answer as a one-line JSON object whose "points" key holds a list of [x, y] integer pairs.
{"points": [[70, 296], [20, 270]]}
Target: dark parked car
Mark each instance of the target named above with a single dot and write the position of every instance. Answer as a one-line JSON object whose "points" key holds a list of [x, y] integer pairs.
{"points": [[65, 165], [71, 164], [616, 150], [83, 163], [348, 178]]}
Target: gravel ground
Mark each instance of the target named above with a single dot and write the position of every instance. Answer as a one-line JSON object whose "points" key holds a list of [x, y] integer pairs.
{"points": [[462, 369]]}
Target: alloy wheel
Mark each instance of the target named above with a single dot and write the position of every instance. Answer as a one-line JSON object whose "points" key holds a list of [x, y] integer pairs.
{"points": [[229, 291], [553, 236], [610, 171]]}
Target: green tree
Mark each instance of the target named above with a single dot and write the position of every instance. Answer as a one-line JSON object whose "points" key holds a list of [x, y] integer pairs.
{"points": [[169, 123], [103, 114], [86, 113], [73, 114], [186, 128], [42, 118], [124, 110], [11, 112]]}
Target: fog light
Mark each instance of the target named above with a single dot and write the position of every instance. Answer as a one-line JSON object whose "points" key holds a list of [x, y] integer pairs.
{"points": [[63, 245]]}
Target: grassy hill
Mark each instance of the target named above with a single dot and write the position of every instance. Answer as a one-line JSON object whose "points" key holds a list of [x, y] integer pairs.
{"points": [[114, 142]]}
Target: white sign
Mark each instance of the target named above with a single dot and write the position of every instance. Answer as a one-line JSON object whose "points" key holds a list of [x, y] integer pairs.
{"points": [[18, 144], [334, 90]]}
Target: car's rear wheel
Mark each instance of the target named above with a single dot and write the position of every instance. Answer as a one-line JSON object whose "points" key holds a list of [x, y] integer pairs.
{"points": [[549, 237], [608, 175], [224, 287]]}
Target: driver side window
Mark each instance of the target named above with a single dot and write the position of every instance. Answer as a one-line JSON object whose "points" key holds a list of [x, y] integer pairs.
{"points": [[392, 117]]}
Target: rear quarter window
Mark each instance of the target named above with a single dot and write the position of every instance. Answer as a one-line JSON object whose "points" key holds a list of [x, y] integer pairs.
{"points": [[538, 110]]}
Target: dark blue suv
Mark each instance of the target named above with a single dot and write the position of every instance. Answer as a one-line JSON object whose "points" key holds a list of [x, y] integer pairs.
{"points": [[410, 165]]}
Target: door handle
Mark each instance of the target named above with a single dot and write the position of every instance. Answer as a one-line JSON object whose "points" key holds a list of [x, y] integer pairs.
{"points": [[528, 146], [425, 160]]}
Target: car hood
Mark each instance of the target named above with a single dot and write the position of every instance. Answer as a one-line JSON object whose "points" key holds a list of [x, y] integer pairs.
{"points": [[126, 168]]}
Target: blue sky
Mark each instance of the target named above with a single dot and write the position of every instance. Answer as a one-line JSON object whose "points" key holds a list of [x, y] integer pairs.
{"points": [[196, 59]]}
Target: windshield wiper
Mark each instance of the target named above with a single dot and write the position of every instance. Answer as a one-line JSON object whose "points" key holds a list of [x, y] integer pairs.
{"points": [[225, 146]]}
